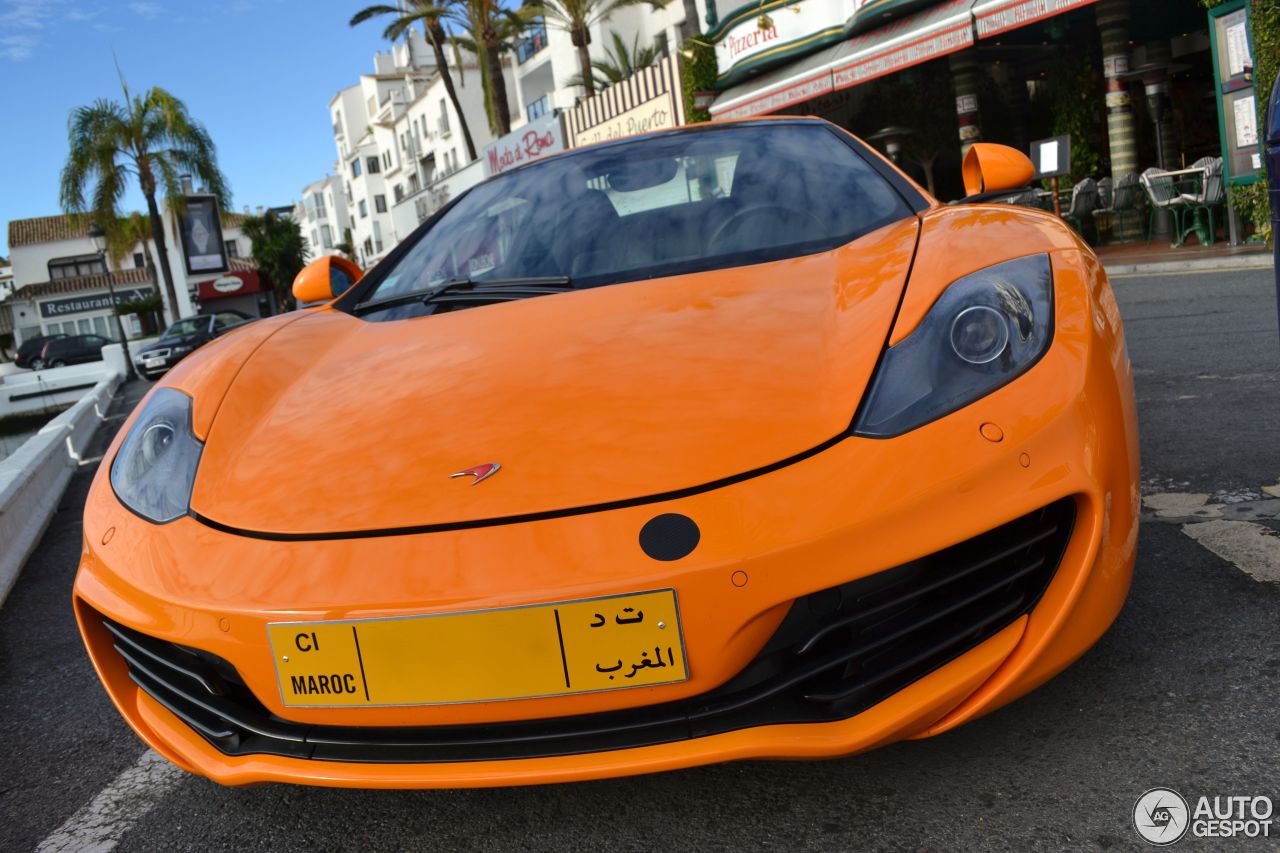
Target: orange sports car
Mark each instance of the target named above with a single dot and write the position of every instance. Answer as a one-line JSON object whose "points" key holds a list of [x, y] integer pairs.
{"points": [[718, 443]]}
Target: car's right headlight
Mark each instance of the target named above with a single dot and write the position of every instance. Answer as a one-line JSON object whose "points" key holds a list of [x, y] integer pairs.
{"points": [[155, 469]]}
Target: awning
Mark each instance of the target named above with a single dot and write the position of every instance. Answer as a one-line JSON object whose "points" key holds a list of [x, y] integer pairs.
{"points": [[934, 32], [943, 29], [791, 84], [993, 17]]}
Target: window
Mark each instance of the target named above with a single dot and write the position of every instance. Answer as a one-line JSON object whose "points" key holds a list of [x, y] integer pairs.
{"points": [[374, 166], [377, 236], [417, 130], [326, 236], [380, 203], [368, 247], [660, 43], [226, 319], [315, 237], [364, 209], [318, 198], [680, 203], [386, 159], [444, 117], [233, 248], [355, 168], [414, 183], [398, 190], [139, 260], [535, 39], [60, 268], [538, 108], [100, 326]]}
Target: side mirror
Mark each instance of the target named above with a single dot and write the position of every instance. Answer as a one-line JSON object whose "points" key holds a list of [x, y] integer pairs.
{"points": [[324, 279], [992, 168]]}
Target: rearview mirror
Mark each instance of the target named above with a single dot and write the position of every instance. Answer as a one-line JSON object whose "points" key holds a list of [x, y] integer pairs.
{"points": [[990, 168], [324, 279]]}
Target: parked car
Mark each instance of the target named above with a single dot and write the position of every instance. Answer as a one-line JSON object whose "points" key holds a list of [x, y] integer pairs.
{"points": [[70, 349], [30, 350], [717, 443], [185, 337]]}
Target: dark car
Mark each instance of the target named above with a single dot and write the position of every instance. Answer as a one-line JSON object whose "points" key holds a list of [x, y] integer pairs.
{"points": [[183, 338], [30, 349], [70, 349]]}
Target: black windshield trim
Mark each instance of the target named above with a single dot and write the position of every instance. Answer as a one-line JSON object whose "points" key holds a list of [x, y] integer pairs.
{"points": [[914, 201]]}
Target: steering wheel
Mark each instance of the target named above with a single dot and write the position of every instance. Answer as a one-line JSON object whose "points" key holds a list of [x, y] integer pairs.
{"points": [[775, 212]]}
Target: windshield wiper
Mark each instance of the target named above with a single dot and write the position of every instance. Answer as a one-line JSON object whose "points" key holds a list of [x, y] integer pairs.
{"points": [[472, 290]]}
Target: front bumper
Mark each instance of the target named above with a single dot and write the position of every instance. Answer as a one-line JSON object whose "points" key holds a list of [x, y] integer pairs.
{"points": [[856, 510]]}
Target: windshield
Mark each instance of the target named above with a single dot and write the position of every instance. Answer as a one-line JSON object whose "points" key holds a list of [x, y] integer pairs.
{"points": [[183, 328], [680, 202]]}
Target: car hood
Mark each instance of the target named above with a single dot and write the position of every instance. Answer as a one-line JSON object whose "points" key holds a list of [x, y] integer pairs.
{"points": [[339, 424]]}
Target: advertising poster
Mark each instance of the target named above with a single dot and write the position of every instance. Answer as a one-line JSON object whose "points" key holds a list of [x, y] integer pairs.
{"points": [[201, 231]]}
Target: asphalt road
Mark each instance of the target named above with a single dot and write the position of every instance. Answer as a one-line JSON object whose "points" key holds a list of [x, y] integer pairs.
{"points": [[1180, 693]]}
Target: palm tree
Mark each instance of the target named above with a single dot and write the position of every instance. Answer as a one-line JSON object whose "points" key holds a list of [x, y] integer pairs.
{"points": [[124, 233], [577, 17], [619, 63], [151, 138], [433, 30], [486, 28], [278, 250]]}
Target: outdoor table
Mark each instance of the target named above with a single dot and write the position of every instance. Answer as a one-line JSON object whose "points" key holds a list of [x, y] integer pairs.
{"points": [[1200, 221]]}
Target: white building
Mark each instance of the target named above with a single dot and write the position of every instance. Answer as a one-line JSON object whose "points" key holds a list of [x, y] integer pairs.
{"points": [[400, 153], [322, 215], [60, 282]]}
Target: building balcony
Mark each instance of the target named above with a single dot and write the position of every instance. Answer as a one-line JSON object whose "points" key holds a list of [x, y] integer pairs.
{"points": [[535, 40]]}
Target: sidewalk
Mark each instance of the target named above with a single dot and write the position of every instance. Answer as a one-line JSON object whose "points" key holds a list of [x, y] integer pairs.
{"points": [[1159, 257]]}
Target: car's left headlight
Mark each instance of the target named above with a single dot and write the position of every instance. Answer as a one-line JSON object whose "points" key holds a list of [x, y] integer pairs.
{"points": [[155, 468], [985, 330]]}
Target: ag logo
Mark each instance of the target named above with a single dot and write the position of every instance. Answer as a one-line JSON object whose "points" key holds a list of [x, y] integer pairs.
{"points": [[1161, 816]]}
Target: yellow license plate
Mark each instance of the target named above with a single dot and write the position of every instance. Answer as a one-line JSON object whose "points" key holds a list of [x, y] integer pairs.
{"points": [[608, 643]]}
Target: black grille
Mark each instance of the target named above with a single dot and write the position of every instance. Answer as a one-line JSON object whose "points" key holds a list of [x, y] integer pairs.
{"points": [[838, 652]]}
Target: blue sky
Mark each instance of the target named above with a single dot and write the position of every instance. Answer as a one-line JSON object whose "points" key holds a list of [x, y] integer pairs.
{"points": [[258, 73]]}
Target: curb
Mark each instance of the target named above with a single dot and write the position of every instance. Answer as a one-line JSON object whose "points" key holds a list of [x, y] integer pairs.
{"points": [[1254, 261], [33, 479]]}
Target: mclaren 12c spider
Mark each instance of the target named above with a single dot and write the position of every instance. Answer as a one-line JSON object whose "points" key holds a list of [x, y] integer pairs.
{"points": [[717, 443]]}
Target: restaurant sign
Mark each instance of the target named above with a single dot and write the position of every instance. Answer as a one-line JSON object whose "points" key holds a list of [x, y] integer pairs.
{"points": [[762, 35], [533, 141], [648, 100], [84, 304]]}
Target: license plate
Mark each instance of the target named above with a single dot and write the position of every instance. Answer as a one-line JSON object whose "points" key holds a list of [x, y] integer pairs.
{"points": [[619, 641], [153, 362]]}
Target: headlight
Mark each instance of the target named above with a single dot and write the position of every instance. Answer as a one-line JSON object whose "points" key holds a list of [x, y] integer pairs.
{"points": [[986, 329], [156, 467]]}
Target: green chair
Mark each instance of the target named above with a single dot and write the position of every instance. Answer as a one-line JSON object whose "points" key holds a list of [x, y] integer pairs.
{"points": [[1210, 197], [1084, 200], [1162, 193], [1126, 201]]}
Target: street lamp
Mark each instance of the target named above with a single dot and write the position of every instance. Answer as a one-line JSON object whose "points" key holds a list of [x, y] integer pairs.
{"points": [[99, 238]]}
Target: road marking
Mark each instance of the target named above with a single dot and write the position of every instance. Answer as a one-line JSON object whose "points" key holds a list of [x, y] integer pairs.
{"points": [[1251, 547], [99, 825], [1181, 505]]}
